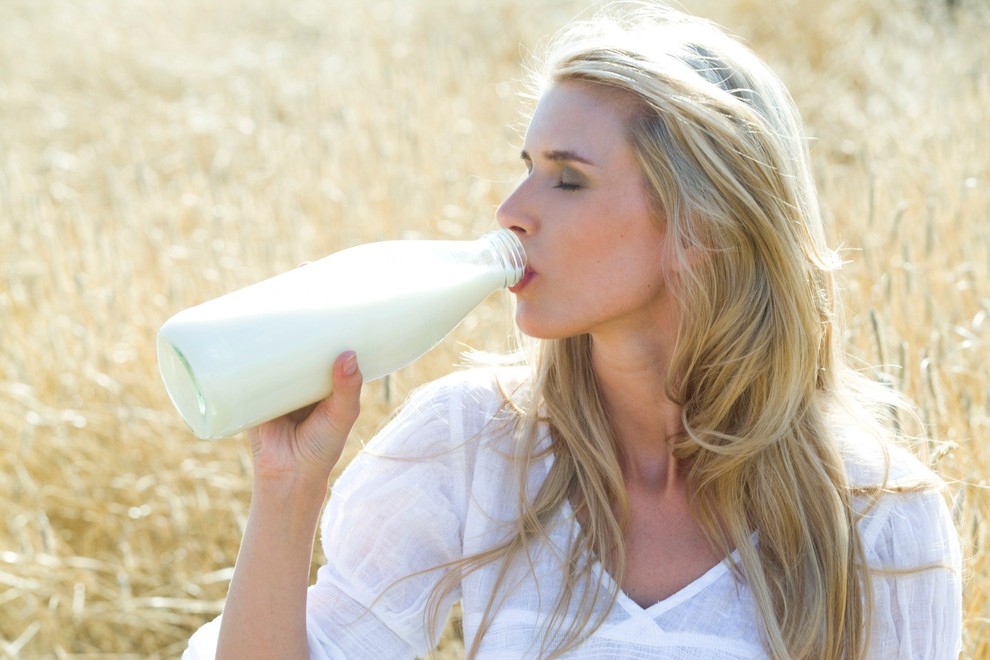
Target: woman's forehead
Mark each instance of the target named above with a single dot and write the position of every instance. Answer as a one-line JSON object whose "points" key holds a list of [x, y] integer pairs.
{"points": [[570, 115]]}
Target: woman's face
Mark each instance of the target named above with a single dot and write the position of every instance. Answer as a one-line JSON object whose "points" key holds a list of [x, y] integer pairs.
{"points": [[583, 216]]}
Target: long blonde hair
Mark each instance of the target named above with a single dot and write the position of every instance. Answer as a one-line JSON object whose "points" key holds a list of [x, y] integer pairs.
{"points": [[758, 366]]}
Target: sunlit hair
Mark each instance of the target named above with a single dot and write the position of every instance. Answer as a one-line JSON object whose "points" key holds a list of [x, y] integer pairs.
{"points": [[758, 366]]}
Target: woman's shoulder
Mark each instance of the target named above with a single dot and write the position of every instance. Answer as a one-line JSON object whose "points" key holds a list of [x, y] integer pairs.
{"points": [[434, 435], [474, 392], [482, 382], [904, 520], [878, 462], [445, 413]]}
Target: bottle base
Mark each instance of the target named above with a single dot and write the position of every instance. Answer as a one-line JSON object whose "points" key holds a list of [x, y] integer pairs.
{"points": [[182, 387]]}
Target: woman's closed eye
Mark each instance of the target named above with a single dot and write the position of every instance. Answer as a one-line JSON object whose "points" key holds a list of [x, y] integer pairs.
{"points": [[569, 181]]}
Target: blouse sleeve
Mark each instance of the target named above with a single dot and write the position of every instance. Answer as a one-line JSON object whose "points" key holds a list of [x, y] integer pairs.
{"points": [[394, 515], [913, 548]]}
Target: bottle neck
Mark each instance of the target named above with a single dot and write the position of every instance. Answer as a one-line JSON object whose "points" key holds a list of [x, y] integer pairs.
{"points": [[508, 252]]}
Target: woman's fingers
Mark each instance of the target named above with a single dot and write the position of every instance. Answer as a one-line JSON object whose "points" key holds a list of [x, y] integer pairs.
{"points": [[308, 442], [333, 417]]}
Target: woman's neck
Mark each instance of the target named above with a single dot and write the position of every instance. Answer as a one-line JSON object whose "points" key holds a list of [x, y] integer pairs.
{"points": [[633, 381]]}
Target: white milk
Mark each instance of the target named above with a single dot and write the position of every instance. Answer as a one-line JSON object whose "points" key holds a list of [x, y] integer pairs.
{"points": [[268, 349]]}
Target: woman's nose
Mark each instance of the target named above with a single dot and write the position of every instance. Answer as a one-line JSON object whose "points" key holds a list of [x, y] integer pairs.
{"points": [[512, 213]]}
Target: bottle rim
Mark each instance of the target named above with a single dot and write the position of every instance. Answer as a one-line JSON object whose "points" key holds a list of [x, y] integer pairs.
{"points": [[510, 253]]}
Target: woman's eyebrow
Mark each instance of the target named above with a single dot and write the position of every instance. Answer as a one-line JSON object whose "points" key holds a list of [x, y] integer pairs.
{"points": [[558, 155]]}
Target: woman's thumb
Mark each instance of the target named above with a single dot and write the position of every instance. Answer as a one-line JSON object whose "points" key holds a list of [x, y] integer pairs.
{"points": [[334, 416]]}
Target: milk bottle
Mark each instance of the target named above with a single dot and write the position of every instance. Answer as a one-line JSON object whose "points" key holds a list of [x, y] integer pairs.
{"points": [[265, 350]]}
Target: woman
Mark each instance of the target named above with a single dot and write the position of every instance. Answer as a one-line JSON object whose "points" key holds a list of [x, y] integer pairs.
{"points": [[688, 470]]}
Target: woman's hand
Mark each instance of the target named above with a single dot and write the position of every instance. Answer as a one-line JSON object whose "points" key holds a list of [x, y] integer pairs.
{"points": [[303, 447]]}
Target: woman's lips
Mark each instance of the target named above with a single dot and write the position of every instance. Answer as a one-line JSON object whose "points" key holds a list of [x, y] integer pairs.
{"points": [[521, 284]]}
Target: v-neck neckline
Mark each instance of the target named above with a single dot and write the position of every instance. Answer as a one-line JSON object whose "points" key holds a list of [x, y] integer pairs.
{"points": [[680, 596], [634, 609]]}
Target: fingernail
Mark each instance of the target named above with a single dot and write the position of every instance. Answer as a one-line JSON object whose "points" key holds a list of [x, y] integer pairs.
{"points": [[350, 363]]}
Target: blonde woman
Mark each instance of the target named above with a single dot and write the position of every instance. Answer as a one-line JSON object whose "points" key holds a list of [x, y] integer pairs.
{"points": [[685, 469]]}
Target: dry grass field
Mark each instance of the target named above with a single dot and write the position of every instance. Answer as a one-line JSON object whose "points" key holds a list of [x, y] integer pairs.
{"points": [[157, 153]]}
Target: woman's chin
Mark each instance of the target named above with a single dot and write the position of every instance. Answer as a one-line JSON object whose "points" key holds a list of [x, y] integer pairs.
{"points": [[537, 328]]}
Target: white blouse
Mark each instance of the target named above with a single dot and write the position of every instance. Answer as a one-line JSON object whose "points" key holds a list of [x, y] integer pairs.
{"points": [[437, 484]]}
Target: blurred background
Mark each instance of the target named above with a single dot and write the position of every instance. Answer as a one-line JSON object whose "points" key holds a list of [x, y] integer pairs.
{"points": [[157, 153]]}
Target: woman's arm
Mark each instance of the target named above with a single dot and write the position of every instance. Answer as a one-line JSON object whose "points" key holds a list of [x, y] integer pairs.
{"points": [[265, 612]]}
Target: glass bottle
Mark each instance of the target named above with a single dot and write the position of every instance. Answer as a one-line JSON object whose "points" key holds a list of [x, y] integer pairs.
{"points": [[267, 349]]}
